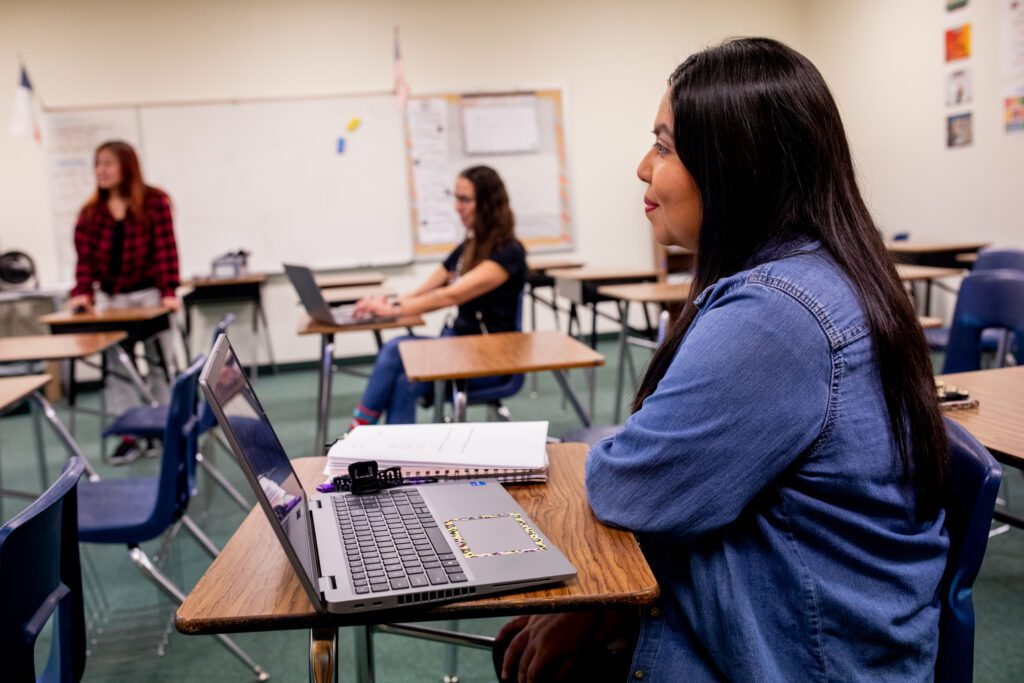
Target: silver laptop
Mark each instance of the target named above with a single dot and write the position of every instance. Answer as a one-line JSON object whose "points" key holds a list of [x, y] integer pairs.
{"points": [[401, 546], [313, 300]]}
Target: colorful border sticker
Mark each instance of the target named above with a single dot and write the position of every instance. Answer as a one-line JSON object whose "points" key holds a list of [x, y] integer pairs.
{"points": [[468, 553]]}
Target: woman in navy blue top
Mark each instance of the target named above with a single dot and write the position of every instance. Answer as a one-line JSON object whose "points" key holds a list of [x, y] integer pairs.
{"points": [[784, 464], [483, 276]]}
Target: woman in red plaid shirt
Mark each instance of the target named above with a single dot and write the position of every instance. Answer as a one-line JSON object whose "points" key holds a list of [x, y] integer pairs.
{"points": [[127, 258]]}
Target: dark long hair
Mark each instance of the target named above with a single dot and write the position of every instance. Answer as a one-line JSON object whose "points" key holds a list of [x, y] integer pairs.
{"points": [[132, 188], [494, 224], [757, 128]]}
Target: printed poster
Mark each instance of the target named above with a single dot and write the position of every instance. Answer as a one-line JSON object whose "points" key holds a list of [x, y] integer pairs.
{"points": [[953, 5], [958, 43], [959, 90], [1013, 37], [1013, 112], [959, 130]]}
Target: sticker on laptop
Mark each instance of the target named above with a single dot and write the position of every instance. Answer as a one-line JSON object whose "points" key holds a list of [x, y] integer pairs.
{"points": [[494, 535]]}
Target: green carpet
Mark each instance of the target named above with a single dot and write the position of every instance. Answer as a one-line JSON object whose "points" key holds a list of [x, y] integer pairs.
{"points": [[289, 400]]}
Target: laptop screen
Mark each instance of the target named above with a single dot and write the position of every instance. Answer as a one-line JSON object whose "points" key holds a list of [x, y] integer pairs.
{"points": [[261, 455]]}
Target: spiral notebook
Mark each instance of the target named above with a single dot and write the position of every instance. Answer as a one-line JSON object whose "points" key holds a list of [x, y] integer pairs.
{"points": [[506, 451]]}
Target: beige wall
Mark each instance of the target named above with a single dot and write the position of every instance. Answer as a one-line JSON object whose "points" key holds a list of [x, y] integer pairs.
{"points": [[883, 59]]}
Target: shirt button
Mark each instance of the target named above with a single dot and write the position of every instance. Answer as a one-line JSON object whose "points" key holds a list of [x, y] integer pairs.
{"points": [[639, 674], [655, 612]]}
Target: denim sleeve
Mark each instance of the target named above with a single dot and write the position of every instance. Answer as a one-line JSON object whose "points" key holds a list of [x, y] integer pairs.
{"points": [[746, 394]]}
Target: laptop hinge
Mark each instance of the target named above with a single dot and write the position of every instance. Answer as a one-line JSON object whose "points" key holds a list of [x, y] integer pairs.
{"points": [[327, 583]]}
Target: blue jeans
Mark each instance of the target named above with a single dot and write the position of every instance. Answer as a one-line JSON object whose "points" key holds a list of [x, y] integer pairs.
{"points": [[391, 392]]}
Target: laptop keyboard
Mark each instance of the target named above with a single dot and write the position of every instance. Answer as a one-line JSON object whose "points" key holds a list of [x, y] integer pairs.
{"points": [[393, 543]]}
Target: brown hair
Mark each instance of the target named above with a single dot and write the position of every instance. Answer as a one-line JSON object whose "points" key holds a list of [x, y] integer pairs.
{"points": [[494, 224], [132, 186]]}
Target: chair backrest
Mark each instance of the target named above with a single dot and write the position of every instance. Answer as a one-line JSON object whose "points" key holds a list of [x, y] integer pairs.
{"points": [[994, 259], [987, 299], [40, 575], [975, 476], [181, 442], [207, 420]]}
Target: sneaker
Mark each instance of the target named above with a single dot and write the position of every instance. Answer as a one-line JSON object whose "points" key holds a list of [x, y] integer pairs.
{"points": [[127, 451]]}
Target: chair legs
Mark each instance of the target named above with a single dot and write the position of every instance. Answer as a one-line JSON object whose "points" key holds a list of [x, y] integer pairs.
{"points": [[222, 481], [150, 571], [208, 545]]}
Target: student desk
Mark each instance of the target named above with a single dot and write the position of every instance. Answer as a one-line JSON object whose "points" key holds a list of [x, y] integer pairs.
{"points": [[928, 322], [244, 289], [252, 587], [911, 273], [340, 296], [350, 280], [537, 277], [489, 355], [14, 390], [998, 421], [139, 324], [643, 293], [580, 285], [942, 254], [327, 332]]}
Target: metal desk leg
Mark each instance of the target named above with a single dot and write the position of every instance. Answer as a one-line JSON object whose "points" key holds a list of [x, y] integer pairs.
{"points": [[533, 328], [50, 414], [364, 654], [37, 429], [620, 375], [570, 395], [266, 330], [133, 375], [459, 400], [323, 413], [323, 655], [439, 400]]}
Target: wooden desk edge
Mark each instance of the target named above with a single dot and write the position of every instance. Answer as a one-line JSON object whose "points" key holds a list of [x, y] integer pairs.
{"points": [[426, 377]]}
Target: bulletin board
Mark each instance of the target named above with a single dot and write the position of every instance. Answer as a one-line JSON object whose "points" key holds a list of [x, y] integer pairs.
{"points": [[520, 134]]}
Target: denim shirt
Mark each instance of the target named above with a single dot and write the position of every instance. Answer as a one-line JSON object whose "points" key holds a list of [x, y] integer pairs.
{"points": [[762, 482]]}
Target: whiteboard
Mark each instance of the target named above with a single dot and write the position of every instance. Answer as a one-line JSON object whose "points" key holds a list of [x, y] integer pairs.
{"points": [[319, 181]]}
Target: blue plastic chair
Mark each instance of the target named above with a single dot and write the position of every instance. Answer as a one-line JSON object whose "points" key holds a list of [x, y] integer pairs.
{"points": [[988, 299], [40, 578], [975, 476], [138, 509], [991, 340]]}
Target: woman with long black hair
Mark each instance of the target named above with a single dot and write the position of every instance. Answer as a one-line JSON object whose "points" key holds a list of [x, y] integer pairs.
{"points": [[784, 465]]}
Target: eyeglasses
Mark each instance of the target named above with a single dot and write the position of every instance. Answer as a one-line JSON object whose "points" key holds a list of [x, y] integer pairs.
{"points": [[464, 199]]}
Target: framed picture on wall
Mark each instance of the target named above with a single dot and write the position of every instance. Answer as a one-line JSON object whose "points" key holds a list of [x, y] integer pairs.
{"points": [[959, 130]]}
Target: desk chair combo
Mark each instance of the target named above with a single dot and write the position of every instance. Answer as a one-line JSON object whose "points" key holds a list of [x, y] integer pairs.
{"points": [[40, 581], [148, 422], [132, 511]]}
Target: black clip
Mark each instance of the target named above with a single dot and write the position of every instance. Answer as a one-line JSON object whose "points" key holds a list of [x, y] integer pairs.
{"points": [[366, 477]]}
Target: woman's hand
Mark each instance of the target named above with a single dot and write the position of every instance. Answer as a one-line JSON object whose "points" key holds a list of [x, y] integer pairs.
{"points": [[80, 303], [545, 645], [374, 306], [171, 302]]}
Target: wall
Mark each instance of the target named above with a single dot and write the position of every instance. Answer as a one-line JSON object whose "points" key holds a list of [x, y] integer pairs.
{"points": [[612, 57], [885, 62]]}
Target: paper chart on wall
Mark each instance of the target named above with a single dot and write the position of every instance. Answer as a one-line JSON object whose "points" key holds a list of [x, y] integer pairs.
{"points": [[1013, 37], [70, 140], [521, 135]]}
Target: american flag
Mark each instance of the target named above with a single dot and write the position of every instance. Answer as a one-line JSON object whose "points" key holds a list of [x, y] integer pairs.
{"points": [[402, 88], [24, 119]]}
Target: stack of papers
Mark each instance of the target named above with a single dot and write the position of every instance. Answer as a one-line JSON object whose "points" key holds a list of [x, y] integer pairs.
{"points": [[507, 451]]}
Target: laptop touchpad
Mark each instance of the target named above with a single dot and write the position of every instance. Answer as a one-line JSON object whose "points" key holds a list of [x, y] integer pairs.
{"points": [[494, 535]]}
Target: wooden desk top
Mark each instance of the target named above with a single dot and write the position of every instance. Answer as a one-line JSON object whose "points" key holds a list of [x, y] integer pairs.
{"points": [[487, 355], [967, 258], [584, 274], [251, 586], [109, 315], [253, 278], [998, 421], [648, 292], [349, 280], [909, 272], [934, 247], [929, 322], [309, 326], [542, 265], [13, 389], [56, 346], [349, 295]]}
